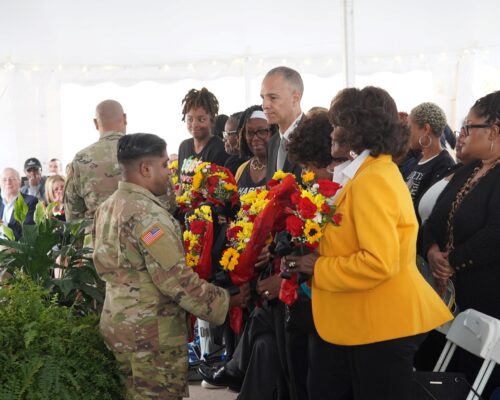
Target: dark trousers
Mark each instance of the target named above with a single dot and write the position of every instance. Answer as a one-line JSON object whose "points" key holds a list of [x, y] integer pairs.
{"points": [[377, 371], [264, 357]]}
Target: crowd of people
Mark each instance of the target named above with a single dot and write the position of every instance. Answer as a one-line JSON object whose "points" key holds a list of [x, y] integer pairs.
{"points": [[411, 189]]}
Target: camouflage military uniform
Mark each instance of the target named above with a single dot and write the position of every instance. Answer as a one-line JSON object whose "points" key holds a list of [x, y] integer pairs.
{"points": [[139, 253], [92, 177]]}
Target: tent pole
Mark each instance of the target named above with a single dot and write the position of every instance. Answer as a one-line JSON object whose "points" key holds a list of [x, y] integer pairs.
{"points": [[348, 30]]}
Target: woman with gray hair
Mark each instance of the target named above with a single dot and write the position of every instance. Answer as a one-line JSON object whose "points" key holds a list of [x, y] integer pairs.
{"points": [[427, 122]]}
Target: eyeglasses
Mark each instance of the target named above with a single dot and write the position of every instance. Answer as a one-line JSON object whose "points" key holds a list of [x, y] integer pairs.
{"points": [[225, 134], [467, 128], [261, 133], [5, 180]]}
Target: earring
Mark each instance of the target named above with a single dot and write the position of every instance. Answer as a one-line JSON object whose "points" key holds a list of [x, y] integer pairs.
{"points": [[491, 147], [420, 141]]}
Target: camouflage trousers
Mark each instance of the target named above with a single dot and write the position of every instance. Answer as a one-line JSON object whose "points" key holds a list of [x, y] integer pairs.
{"points": [[155, 375]]}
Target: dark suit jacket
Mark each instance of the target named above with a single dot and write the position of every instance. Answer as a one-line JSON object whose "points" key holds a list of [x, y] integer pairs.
{"points": [[272, 157], [31, 202]]}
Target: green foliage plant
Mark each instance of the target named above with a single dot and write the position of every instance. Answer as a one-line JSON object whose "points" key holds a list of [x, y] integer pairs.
{"points": [[51, 252], [50, 352]]}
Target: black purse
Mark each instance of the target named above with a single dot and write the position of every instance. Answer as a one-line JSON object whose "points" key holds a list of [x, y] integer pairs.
{"points": [[440, 386]]}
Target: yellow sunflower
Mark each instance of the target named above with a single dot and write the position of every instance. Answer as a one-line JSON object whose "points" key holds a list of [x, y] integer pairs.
{"points": [[229, 259], [197, 178], [192, 260], [312, 231]]}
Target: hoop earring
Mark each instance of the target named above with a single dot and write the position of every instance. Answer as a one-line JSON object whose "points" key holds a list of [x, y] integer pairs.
{"points": [[428, 144]]}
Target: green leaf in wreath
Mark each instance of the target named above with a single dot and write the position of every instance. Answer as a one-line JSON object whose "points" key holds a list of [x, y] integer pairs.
{"points": [[20, 210]]}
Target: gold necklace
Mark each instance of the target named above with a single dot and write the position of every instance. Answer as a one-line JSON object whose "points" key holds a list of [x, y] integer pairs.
{"points": [[256, 165]]}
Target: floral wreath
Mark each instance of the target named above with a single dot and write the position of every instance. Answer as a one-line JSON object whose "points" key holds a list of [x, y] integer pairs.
{"points": [[211, 183], [199, 227]]}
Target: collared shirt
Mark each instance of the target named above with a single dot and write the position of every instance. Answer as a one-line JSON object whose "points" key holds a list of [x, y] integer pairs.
{"points": [[8, 209], [291, 128], [344, 172]]}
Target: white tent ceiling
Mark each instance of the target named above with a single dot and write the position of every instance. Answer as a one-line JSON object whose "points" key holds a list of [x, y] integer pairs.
{"points": [[157, 32], [47, 45]]}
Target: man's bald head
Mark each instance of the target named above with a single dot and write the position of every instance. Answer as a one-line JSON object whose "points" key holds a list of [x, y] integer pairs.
{"points": [[109, 116]]}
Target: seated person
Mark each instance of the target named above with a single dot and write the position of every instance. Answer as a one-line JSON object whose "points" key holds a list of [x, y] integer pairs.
{"points": [[35, 182], [55, 167], [10, 182], [54, 193]]}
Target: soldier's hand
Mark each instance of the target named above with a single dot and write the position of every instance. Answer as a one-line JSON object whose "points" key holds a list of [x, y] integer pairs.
{"points": [[269, 288], [240, 299]]}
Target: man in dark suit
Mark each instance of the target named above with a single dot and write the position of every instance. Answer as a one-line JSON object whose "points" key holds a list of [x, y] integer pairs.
{"points": [[10, 183], [281, 93]]}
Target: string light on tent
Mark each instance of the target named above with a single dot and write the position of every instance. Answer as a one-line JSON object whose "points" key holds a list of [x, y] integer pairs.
{"points": [[375, 60], [60, 67], [190, 67], [307, 62], [214, 63], [35, 68], [283, 61], [165, 67], [85, 69], [9, 66]]}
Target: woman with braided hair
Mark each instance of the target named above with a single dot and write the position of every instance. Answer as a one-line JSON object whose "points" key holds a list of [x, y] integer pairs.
{"points": [[199, 109]]}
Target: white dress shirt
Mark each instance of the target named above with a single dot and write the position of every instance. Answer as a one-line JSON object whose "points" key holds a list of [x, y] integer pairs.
{"points": [[8, 209], [344, 172]]}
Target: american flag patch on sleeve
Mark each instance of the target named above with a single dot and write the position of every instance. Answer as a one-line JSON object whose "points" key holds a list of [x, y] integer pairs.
{"points": [[152, 235]]}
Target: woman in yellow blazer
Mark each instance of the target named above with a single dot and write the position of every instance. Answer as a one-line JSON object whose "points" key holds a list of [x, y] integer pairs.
{"points": [[371, 306]]}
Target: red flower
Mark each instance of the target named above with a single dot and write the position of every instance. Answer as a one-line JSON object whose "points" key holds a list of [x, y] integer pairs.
{"points": [[325, 208], [294, 225], [337, 219], [197, 248], [245, 207], [295, 197], [307, 208], [212, 182], [272, 183], [328, 188], [233, 232], [197, 227], [186, 244]]}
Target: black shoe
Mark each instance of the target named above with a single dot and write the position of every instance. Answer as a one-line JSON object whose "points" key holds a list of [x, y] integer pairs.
{"points": [[219, 377]]}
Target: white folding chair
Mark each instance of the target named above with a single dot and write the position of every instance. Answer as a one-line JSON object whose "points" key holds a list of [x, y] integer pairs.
{"points": [[478, 334]]}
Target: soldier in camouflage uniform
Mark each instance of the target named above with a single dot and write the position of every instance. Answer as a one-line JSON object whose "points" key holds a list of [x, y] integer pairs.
{"points": [[94, 173], [139, 253]]}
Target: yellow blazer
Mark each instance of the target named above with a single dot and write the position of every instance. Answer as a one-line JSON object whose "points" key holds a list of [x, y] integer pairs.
{"points": [[366, 286]]}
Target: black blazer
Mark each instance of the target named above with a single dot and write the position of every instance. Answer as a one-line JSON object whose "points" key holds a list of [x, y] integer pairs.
{"points": [[272, 157], [31, 202], [476, 229]]}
